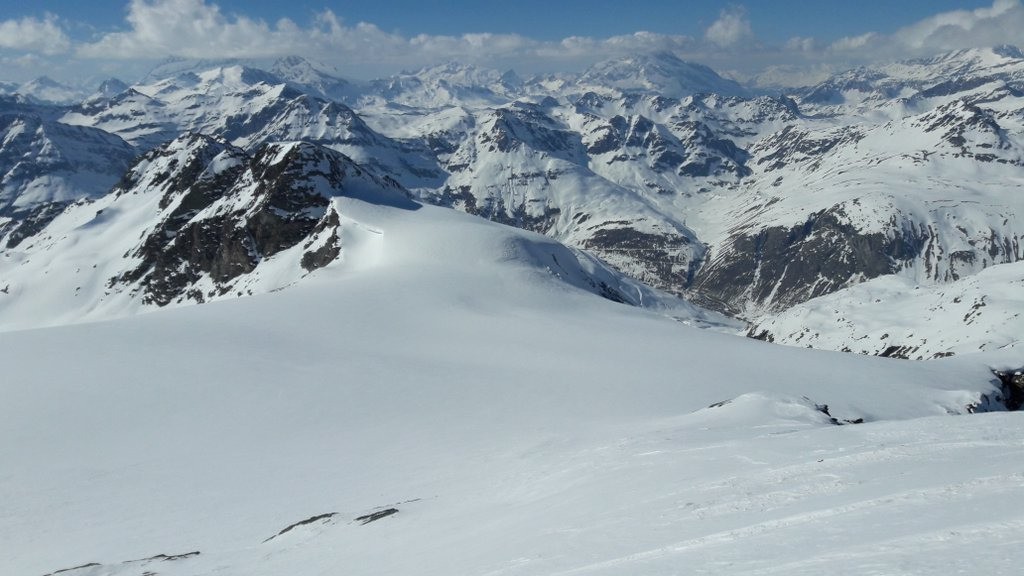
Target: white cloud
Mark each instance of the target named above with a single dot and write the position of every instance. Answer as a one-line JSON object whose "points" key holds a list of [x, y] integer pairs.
{"points": [[198, 29], [803, 44], [732, 29], [190, 28], [1002, 23], [34, 35], [810, 58], [155, 29], [853, 43]]}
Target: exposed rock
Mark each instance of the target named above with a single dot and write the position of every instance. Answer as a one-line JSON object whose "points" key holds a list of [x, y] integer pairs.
{"points": [[1013, 387], [366, 519], [29, 223], [778, 267], [64, 570], [662, 260], [223, 212], [307, 521], [168, 557]]}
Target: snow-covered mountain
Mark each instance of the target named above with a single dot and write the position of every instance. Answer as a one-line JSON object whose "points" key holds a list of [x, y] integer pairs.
{"points": [[660, 73], [46, 90], [314, 79], [943, 75], [895, 316], [45, 163], [249, 107], [376, 383], [441, 385], [446, 85], [931, 196], [198, 220], [687, 181]]}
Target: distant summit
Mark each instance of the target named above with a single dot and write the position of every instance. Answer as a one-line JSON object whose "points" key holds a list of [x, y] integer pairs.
{"points": [[660, 72]]}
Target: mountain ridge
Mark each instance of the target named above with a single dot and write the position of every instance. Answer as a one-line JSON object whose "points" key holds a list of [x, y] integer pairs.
{"points": [[747, 204]]}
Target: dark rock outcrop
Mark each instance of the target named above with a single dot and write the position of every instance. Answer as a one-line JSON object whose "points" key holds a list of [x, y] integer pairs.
{"points": [[223, 212], [1012, 382], [778, 267]]}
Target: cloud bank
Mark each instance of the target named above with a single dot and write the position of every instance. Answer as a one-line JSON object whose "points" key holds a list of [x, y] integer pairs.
{"points": [[34, 35], [155, 29]]}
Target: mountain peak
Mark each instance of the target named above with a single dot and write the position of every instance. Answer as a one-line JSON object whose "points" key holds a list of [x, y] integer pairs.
{"points": [[662, 72], [107, 89], [174, 67], [290, 67], [312, 77], [1008, 51]]}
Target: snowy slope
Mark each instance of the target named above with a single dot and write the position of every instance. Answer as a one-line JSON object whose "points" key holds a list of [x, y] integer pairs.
{"points": [[894, 316], [933, 197], [445, 371], [522, 166], [411, 390]]}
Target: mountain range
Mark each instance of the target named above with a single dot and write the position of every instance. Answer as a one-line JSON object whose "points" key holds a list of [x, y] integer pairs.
{"points": [[263, 319], [751, 205]]}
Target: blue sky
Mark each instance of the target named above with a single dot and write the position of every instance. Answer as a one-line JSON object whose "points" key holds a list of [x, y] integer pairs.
{"points": [[371, 38], [775, 20]]}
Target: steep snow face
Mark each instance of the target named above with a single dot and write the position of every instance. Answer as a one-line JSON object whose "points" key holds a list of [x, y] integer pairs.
{"points": [[442, 387], [895, 316]]}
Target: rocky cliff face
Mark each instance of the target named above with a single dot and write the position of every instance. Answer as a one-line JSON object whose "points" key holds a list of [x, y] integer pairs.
{"points": [[222, 213], [777, 267]]}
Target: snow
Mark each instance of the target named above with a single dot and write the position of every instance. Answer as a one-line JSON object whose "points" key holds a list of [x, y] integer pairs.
{"points": [[518, 424], [980, 312], [465, 373], [878, 147], [45, 161]]}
